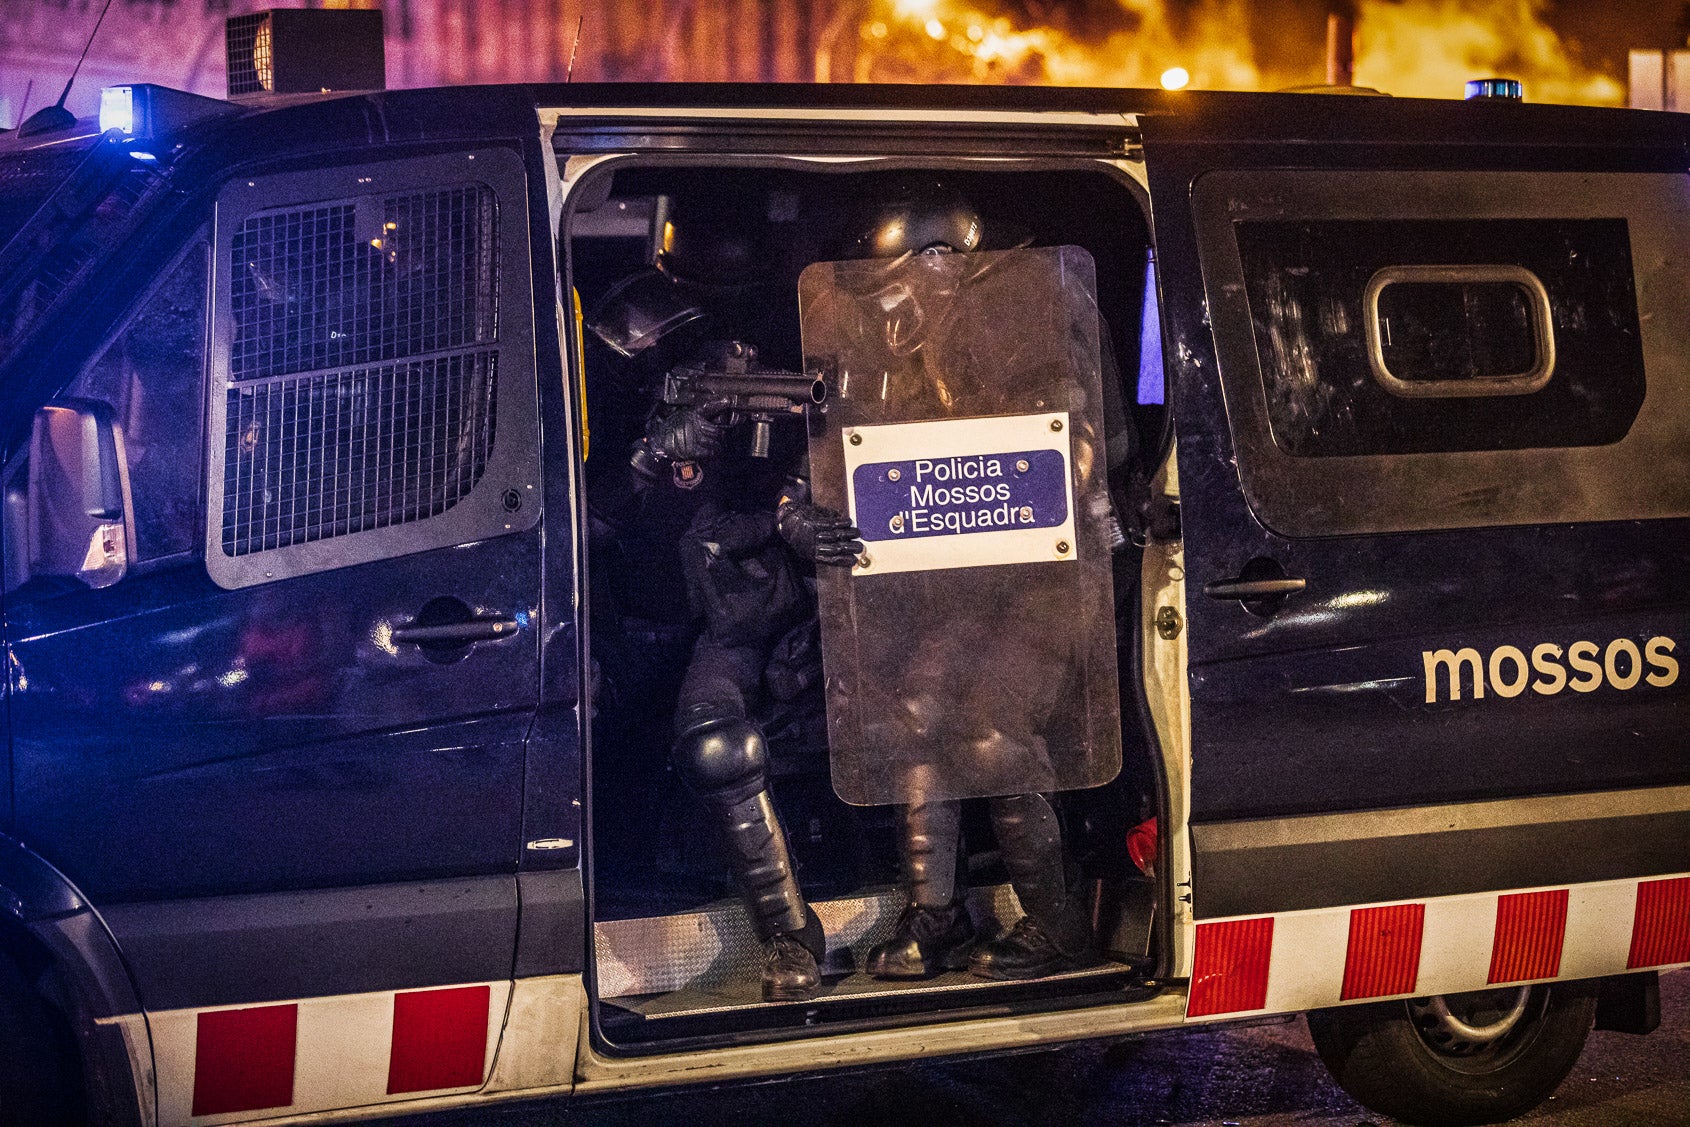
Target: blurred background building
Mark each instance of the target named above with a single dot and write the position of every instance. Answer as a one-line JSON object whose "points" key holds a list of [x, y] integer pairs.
{"points": [[1564, 50]]}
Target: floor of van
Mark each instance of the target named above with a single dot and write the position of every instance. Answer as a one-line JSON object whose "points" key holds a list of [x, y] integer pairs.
{"points": [[696, 973]]}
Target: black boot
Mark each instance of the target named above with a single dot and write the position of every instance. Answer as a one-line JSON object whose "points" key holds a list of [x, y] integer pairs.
{"points": [[793, 941], [1055, 934], [790, 962], [924, 942], [933, 932], [1025, 951]]}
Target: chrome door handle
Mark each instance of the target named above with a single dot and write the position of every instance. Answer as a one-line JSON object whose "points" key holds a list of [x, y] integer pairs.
{"points": [[1242, 588], [457, 633]]}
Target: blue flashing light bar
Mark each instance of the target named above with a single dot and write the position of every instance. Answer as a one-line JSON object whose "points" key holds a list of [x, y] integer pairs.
{"points": [[117, 109], [144, 111], [1495, 90]]}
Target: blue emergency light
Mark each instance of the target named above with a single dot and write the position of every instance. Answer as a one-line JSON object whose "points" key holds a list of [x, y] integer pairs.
{"points": [[143, 111], [1495, 90], [117, 109]]}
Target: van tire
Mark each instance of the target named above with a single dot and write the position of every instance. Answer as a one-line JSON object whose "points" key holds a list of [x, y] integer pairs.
{"points": [[1457, 1059], [39, 1078]]}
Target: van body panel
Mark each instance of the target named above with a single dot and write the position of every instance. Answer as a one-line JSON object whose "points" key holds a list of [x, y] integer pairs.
{"points": [[1412, 852], [340, 737], [231, 950], [1336, 698]]}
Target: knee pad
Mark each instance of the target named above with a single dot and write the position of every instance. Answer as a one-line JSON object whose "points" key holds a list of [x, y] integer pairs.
{"points": [[723, 759]]}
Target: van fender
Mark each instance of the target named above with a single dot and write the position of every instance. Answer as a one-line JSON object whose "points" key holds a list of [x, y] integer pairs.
{"points": [[39, 902]]}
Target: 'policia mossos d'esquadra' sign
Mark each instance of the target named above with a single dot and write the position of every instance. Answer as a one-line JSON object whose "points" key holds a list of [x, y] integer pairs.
{"points": [[961, 492]]}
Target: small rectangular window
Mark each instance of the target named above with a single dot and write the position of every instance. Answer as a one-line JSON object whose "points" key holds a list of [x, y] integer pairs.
{"points": [[1459, 331], [1427, 336]]}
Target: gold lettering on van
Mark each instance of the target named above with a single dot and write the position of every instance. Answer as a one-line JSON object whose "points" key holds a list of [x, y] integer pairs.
{"points": [[1584, 667]]}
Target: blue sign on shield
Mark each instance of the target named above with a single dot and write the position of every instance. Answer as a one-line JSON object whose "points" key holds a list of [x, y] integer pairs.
{"points": [[961, 495]]}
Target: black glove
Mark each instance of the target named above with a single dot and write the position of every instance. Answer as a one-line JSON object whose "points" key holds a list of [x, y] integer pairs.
{"points": [[687, 435], [819, 534]]}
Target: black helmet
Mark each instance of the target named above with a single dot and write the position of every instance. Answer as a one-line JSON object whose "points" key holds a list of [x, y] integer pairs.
{"points": [[915, 217], [715, 244], [712, 251]]}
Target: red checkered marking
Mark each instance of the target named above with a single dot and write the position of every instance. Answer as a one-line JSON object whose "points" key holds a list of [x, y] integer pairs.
{"points": [[1531, 928], [1315, 958], [1383, 956], [439, 1039], [1660, 933], [1230, 966], [243, 1059]]}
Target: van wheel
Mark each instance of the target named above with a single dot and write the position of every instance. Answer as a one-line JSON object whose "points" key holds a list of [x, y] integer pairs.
{"points": [[1457, 1058], [39, 1081]]}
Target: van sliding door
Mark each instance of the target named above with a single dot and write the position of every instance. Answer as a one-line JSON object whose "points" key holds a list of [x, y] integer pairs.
{"points": [[1431, 407]]}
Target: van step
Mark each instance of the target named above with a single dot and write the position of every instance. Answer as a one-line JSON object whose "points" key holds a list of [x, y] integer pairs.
{"points": [[714, 949], [853, 991]]}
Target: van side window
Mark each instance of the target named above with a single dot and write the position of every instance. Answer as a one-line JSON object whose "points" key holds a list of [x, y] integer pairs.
{"points": [[364, 362], [1428, 336], [1405, 350], [152, 376]]}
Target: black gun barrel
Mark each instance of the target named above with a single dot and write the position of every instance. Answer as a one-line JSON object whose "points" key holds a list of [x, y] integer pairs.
{"points": [[748, 391]]}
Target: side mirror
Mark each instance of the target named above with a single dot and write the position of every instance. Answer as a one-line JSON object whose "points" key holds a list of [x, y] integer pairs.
{"points": [[78, 498]]}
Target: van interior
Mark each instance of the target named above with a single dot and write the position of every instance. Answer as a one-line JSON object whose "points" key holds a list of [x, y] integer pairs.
{"points": [[674, 958]]}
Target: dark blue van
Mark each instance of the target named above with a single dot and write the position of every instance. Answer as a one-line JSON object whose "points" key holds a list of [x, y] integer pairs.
{"points": [[345, 643]]}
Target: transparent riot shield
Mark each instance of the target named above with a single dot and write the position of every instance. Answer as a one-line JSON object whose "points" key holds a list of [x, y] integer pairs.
{"points": [[971, 651]]}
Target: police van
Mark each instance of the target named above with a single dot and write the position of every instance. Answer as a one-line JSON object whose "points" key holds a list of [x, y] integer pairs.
{"points": [[1292, 493]]}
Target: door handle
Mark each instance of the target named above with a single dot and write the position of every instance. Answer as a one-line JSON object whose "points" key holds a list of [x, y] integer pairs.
{"points": [[446, 627], [1242, 588], [457, 633], [1261, 587]]}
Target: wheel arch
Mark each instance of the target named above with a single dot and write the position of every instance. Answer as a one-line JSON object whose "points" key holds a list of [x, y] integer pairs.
{"points": [[44, 918]]}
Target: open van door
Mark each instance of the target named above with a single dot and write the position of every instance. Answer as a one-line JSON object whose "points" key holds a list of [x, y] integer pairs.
{"points": [[1431, 394]]}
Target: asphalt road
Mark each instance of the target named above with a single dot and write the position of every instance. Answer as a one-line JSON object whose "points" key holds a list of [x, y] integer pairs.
{"points": [[1252, 1077]]}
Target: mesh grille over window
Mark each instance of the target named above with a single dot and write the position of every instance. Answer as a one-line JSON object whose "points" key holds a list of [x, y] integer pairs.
{"points": [[326, 455], [357, 281], [361, 378]]}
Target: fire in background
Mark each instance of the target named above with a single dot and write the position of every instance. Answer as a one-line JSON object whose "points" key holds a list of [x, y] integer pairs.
{"points": [[1564, 50], [1415, 48]]}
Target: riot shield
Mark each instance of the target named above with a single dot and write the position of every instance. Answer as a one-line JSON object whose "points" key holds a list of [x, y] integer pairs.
{"points": [[971, 651]]}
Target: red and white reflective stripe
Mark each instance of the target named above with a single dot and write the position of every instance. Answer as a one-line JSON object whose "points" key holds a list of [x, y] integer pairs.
{"points": [[1307, 960], [236, 1063]]}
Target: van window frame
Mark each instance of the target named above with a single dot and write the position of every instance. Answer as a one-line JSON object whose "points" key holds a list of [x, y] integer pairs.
{"points": [[1643, 475], [504, 497]]}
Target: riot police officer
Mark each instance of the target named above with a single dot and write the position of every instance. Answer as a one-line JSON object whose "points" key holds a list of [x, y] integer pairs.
{"points": [[935, 932], [745, 522]]}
